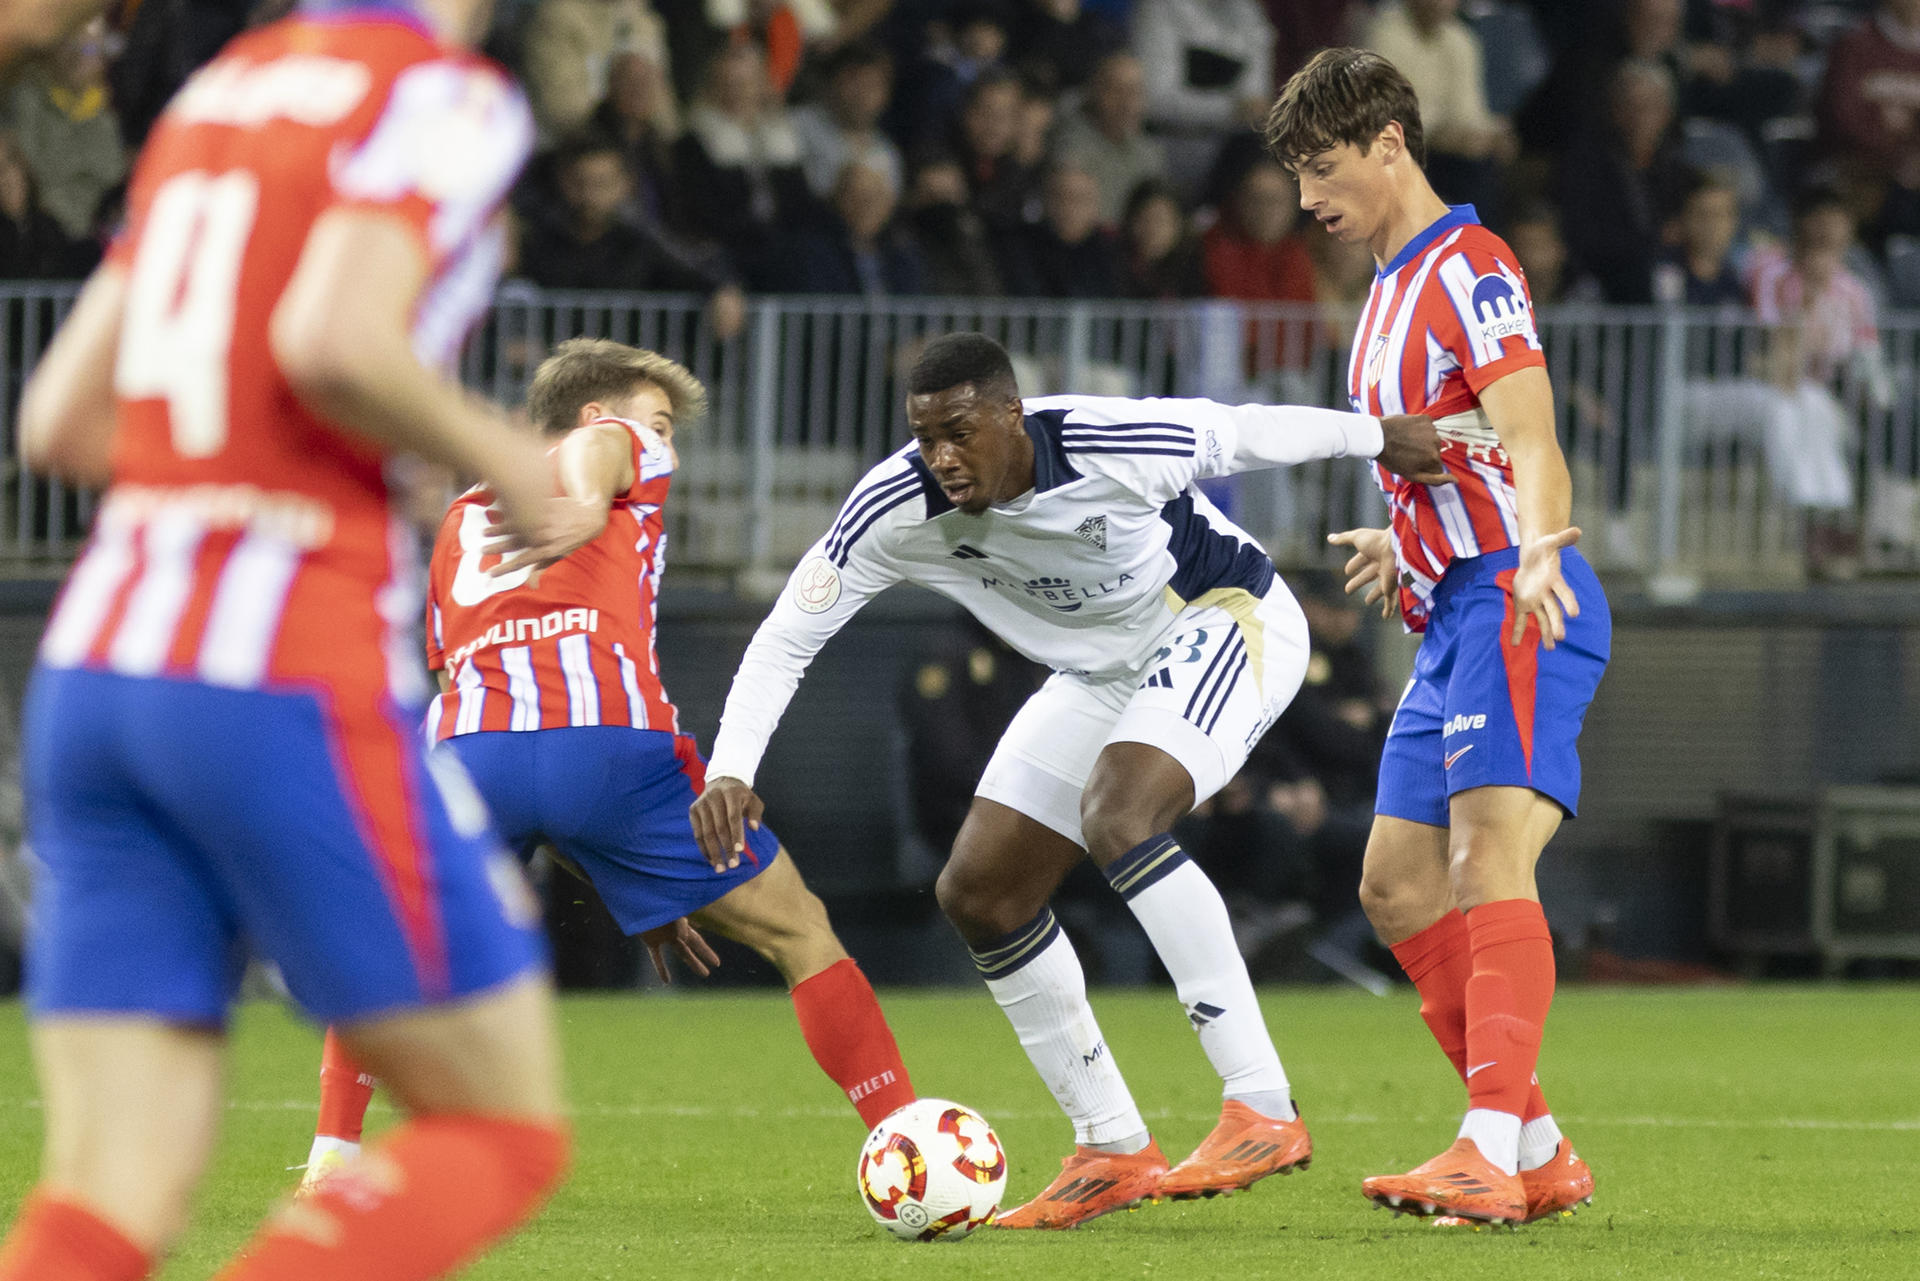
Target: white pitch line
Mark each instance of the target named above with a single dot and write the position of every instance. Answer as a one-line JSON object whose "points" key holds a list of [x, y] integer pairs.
{"points": [[703, 1111]]}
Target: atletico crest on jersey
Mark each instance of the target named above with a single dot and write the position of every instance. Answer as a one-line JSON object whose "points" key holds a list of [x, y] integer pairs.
{"points": [[1449, 316]]}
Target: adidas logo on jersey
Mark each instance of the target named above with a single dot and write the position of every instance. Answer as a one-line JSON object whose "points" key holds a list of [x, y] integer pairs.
{"points": [[964, 552], [1094, 530]]}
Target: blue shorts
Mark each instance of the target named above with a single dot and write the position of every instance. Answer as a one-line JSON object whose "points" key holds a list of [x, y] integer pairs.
{"points": [[614, 800], [1482, 713], [178, 824]]}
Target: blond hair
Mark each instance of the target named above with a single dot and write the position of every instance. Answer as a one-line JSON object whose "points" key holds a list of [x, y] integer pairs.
{"points": [[581, 371]]}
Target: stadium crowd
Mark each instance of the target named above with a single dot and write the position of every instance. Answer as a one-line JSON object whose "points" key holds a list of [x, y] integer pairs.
{"points": [[1633, 150]]}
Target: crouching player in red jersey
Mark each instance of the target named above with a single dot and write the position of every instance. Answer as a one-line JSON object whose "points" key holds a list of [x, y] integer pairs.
{"points": [[221, 739], [568, 651], [1480, 765]]}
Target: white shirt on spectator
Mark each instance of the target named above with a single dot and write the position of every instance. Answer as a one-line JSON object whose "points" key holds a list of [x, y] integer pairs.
{"points": [[1445, 70], [826, 149], [1202, 59]]}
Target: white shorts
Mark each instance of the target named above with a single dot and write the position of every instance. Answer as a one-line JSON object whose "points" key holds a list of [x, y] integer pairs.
{"points": [[1228, 665]]}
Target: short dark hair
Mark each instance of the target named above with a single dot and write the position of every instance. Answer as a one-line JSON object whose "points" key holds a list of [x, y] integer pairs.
{"points": [[953, 359], [584, 370], [586, 141], [1818, 198], [857, 55], [1343, 95], [1710, 179]]}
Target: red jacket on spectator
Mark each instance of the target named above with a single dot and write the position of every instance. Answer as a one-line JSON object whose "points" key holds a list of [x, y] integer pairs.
{"points": [[1237, 267]]}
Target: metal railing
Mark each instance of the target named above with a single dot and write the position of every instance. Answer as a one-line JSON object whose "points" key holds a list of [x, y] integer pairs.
{"points": [[1697, 451]]}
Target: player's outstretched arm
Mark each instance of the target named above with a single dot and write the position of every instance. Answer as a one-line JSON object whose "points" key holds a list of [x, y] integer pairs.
{"points": [[595, 463], [67, 411], [1520, 409], [340, 333], [721, 816], [1371, 566], [1410, 447]]}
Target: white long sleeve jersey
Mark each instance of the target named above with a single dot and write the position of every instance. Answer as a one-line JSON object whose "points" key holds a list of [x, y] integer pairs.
{"points": [[1083, 573]]}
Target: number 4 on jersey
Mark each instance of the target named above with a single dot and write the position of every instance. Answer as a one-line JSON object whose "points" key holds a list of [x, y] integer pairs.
{"points": [[177, 330]]}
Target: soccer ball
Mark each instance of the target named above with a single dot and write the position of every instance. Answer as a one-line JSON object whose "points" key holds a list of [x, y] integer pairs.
{"points": [[932, 1171]]}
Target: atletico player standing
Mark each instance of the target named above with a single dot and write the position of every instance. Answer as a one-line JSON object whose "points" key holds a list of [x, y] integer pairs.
{"points": [[221, 740], [1480, 765], [552, 700]]}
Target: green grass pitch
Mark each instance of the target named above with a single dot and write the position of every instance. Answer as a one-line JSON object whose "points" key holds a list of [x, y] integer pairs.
{"points": [[1735, 1133]]}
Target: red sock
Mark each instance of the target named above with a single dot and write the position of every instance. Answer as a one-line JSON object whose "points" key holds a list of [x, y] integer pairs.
{"points": [[1439, 961], [345, 1092], [850, 1040], [56, 1240], [1507, 1001], [429, 1197]]}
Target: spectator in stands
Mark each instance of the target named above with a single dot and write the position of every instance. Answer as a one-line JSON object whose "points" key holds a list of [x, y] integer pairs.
{"points": [[965, 43], [1065, 36], [1440, 56], [739, 161], [1870, 113], [1622, 182], [1700, 269], [1824, 334], [1066, 254], [569, 52], [784, 28], [1002, 187], [1534, 235], [1343, 275], [1746, 88], [843, 128], [593, 247], [1811, 290], [1160, 257], [857, 250], [640, 114], [954, 240], [32, 246], [1252, 253], [60, 117], [1033, 130], [1105, 137], [1209, 63]]}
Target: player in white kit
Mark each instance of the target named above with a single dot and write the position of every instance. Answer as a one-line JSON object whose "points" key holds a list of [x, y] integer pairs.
{"points": [[1071, 527]]}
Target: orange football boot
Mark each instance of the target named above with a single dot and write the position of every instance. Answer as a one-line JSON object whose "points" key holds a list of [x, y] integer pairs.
{"points": [[1555, 1188], [1243, 1149], [1459, 1182], [1091, 1183]]}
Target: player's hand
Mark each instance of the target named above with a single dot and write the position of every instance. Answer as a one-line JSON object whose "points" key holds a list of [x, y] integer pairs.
{"points": [[1411, 447], [686, 942], [1371, 566], [1540, 592], [564, 526], [721, 818]]}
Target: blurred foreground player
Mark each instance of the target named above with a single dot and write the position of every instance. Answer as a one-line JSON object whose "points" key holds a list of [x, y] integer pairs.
{"points": [[1070, 526], [608, 778], [221, 738], [1480, 763]]}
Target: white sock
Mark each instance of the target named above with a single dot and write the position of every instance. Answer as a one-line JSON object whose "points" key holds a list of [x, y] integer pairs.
{"points": [[1539, 1140], [1496, 1134], [1186, 920], [1036, 977], [324, 1144]]}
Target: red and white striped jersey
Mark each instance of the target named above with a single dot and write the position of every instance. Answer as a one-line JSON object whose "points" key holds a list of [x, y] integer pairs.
{"points": [[1447, 317], [570, 645], [244, 541]]}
